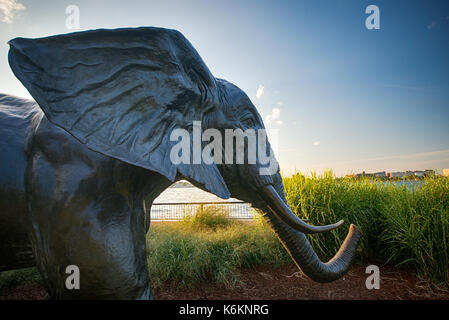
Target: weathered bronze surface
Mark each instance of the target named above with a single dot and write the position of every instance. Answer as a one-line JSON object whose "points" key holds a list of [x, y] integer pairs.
{"points": [[81, 166]]}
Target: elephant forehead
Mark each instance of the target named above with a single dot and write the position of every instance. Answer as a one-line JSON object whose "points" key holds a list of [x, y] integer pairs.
{"points": [[235, 101]]}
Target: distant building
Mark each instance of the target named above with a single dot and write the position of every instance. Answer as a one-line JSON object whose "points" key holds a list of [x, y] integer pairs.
{"points": [[398, 174], [381, 174], [420, 173]]}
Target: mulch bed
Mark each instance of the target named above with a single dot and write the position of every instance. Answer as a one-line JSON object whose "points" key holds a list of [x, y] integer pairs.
{"points": [[287, 283]]}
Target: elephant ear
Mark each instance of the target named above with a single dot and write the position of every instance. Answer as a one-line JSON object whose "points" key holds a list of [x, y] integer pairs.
{"points": [[122, 92]]}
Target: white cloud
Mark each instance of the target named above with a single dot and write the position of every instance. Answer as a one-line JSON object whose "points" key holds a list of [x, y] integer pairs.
{"points": [[260, 91], [8, 8], [316, 143], [432, 25], [274, 117]]}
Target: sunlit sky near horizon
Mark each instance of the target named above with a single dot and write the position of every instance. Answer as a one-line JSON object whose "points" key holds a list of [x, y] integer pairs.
{"points": [[342, 97]]}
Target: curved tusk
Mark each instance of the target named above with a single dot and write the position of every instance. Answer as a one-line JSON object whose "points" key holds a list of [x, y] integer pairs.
{"points": [[283, 212]]}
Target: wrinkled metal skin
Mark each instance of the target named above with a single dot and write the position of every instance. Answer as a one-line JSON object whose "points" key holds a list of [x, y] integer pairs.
{"points": [[78, 206], [82, 164]]}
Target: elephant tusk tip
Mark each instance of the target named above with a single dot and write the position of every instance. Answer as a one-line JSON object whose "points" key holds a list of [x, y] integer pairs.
{"points": [[354, 229], [338, 224], [329, 227]]}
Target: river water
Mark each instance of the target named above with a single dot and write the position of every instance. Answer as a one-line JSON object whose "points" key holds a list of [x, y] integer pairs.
{"points": [[188, 195], [176, 202]]}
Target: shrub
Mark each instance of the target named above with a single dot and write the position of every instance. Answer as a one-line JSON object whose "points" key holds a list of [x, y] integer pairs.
{"points": [[185, 256], [402, 223], [20, 277], [416, 229], [210, 217]]}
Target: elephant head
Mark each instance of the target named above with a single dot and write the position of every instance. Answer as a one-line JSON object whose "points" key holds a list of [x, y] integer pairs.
{"points": [[123, 92]]}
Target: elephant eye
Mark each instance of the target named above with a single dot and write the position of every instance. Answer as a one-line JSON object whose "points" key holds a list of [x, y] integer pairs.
{"points": [[248, 122]]}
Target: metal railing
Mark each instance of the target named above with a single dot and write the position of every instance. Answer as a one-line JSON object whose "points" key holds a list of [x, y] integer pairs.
{"points": [[179, 210]]}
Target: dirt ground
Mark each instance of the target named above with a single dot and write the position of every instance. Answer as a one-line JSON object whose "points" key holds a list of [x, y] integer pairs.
{"points": [[287, 283]]}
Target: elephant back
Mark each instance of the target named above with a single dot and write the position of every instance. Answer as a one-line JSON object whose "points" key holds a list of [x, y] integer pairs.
{"points": [[18, 121]]}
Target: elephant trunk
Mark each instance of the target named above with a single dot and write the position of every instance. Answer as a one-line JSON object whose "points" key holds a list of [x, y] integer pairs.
{"points": [[300, 248]]}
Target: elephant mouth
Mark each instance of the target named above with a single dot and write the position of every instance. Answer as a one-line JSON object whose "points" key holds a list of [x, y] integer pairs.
{"points": [[291, 231]]}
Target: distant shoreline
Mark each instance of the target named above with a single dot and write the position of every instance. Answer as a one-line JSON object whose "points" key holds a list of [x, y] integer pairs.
{"points": [[182, 184]]}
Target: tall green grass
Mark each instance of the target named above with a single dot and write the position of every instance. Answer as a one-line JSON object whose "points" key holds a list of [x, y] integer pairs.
{"points": [[407, 227], [29, 277], [211, 217], [205, 247], [401, 225], [415, 232]]}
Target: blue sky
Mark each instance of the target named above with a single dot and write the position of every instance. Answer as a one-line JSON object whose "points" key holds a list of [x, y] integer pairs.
{"points": [[341, 96]]}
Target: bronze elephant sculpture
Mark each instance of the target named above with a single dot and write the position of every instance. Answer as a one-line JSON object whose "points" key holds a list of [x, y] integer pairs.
{"points": [[81, 165]]}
